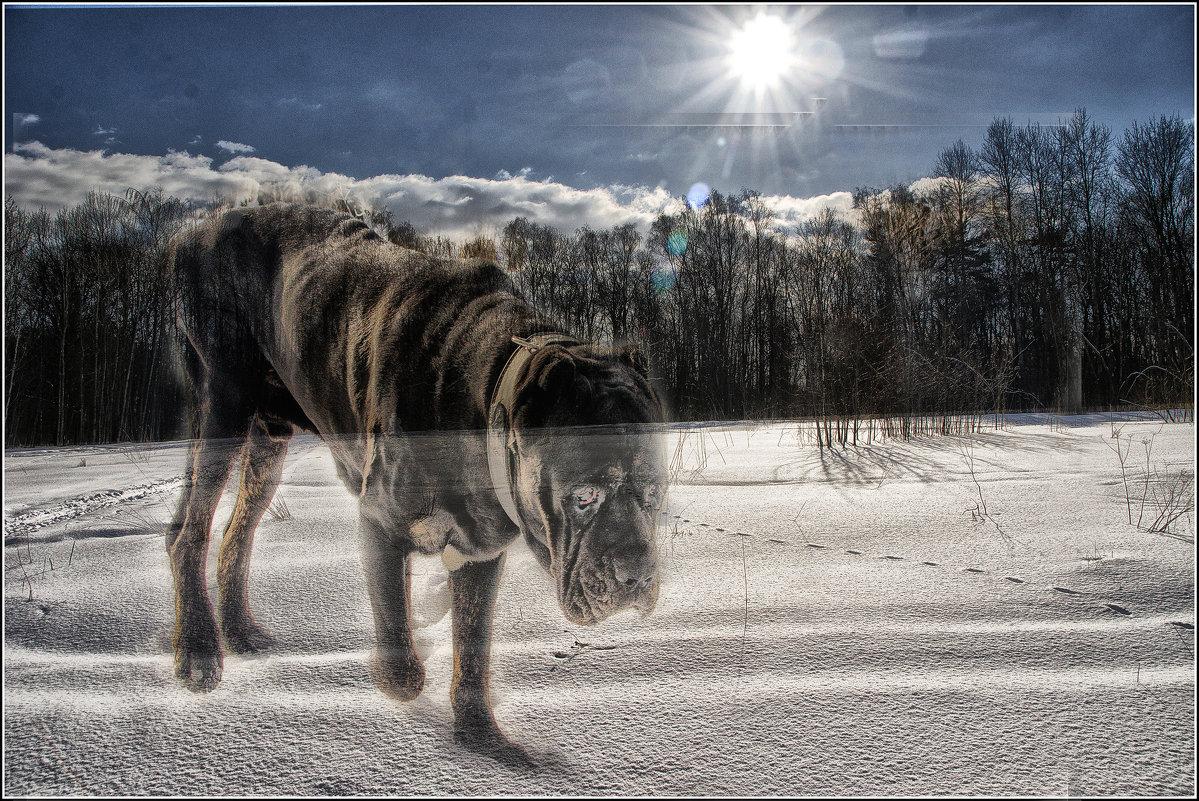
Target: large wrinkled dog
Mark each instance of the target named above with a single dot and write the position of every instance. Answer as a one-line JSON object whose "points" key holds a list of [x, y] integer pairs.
{"points": [[297, 316]]}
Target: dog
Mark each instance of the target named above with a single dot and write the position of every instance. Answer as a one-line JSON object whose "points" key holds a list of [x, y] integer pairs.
{"points": [[458, 415]]}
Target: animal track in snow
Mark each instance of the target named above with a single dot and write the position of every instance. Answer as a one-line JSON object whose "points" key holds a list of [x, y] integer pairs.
{"points": [[1120, 610], [30, 520]]}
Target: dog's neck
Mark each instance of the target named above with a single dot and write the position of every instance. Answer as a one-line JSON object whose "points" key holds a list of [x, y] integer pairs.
{"points": [[499, 416]]}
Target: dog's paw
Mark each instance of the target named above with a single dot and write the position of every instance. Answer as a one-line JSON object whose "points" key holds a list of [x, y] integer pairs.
{"points": [[246, 637], [200, 671], [480, 734], [397, 672]]}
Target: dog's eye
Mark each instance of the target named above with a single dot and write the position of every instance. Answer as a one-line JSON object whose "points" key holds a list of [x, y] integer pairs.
{"points": [[652, 497], [586, 496]]}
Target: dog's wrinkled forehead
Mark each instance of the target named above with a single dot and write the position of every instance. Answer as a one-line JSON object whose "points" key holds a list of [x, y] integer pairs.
{"points": [[615, 453]]}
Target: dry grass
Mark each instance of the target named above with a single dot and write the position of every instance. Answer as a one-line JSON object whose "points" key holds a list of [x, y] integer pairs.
{"points": [[278, 509]]}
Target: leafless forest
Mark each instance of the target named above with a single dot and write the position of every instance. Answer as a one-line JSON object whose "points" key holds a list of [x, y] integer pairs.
{"points": [[1051, 268]]}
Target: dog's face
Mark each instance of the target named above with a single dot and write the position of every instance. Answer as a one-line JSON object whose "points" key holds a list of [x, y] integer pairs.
{"points": [[589, 477]]}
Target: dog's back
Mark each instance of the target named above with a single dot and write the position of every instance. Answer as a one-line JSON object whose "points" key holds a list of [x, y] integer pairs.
{"points": [[274, 295]]}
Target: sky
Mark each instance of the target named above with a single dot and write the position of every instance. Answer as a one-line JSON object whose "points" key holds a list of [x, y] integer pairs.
{"points": [[454, 116]]}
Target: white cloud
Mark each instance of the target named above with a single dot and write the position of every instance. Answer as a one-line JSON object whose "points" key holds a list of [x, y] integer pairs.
{"points": [[102, 131], [234, 147], [36, 175], [792, 211], [456, 206], [22, 120], [926, 187], [296, 103]]}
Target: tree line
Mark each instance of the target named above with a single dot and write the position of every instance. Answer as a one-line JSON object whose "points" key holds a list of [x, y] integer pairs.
{"points": [[1051, 268], [1047, 268], [88, 340]]}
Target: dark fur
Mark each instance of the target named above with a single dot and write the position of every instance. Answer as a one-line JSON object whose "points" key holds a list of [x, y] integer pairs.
{"points": [[300, 317]]}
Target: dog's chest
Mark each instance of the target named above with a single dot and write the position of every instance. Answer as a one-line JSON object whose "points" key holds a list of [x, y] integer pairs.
{"points": [[434, 532]]}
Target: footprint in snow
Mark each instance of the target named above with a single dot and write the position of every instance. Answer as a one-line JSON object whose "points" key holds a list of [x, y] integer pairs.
{"points": [[930, 564], [1119, 610], [1182, 625], [975, 570], [894, 558], [1014, 580], [855, 553], [814, 545], [1067, 591]]}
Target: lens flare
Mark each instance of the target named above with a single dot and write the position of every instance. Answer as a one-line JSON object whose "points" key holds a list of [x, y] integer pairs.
{"points": [[676, 243], [823, 58], [697, 195], [663, 278]]}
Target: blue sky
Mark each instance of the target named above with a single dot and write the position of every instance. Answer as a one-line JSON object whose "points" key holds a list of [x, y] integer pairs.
{"points": [[585, 98]]}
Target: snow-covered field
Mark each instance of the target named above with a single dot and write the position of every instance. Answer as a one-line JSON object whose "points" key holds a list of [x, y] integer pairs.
{"points": [[843, 622]]}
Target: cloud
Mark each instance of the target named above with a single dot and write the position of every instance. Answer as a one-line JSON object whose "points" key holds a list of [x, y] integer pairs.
{"points": [[102, 131], [792, 211], [927, 187], [296, 103], [19, 120], [234, 147], [456, 206], [39, 176]]}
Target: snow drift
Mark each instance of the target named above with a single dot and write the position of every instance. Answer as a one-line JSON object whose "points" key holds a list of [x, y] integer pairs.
{"points": [[948, 616]]}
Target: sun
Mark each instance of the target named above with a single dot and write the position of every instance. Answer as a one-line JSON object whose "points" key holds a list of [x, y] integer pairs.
{"points": [[761, 52]]}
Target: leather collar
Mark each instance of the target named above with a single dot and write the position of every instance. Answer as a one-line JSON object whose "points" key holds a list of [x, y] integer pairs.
{"points": [[499, 421]]}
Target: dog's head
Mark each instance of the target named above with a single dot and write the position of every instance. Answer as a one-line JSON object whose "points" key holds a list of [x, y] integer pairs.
{"points": [[588, 476]]}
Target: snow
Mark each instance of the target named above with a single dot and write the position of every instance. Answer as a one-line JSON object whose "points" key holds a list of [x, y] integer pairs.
{"points": [[831, 622]]}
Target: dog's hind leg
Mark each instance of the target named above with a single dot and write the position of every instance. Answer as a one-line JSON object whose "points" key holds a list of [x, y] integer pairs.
{"points": [[395, 666], [219, 431], [261, 470]]}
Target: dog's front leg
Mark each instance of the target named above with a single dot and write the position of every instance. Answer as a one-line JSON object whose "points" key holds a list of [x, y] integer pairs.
{"points": [[473, 589], [395, 666], [198, 659]]}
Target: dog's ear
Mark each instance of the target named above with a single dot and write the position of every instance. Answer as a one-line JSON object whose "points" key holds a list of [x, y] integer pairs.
{"points": [[632, 356], [548, 379], [554, 368]]}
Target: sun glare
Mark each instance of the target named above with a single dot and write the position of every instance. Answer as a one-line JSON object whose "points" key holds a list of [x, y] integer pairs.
{"points": [[761, 51]]}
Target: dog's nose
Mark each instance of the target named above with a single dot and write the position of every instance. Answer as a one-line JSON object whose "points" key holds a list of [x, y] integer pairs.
{"points": [[634, 571]]}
